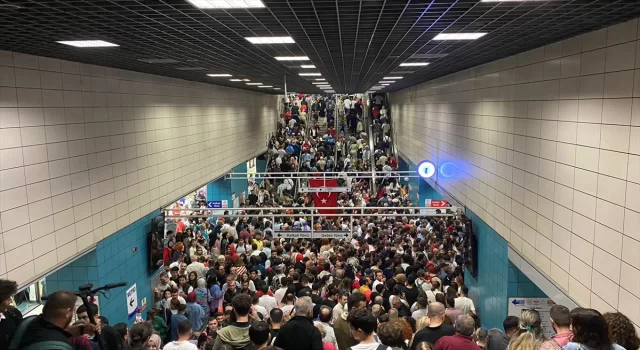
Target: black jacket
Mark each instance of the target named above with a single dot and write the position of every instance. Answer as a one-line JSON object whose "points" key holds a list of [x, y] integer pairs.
{"points": [[9, 326], [300, 334]]}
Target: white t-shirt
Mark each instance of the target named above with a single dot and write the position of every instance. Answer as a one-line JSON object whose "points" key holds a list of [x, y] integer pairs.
{"points": [[465, 305], [180, 345], [370, 346]]}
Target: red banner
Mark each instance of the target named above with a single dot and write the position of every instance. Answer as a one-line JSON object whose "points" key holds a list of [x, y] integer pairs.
{"points": [[324, 199]]}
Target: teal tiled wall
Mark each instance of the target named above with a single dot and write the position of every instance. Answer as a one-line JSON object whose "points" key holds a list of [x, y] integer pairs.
{"points": [[489, 290], [114, 260], [520, 286]]}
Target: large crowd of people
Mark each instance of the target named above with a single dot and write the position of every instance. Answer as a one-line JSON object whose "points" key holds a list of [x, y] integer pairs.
{"points": [[396, 282]]}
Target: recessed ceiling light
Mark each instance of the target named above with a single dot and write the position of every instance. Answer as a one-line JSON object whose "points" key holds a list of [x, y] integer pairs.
{"points": [[411, 64], [257, 40], [226, 4], [292, 58], [254, 83], [246, 80], [88, 43], [307, 66], [235, 79], [309, 74], [459, 36], [391, 78], [320, 79], [219, 75]]}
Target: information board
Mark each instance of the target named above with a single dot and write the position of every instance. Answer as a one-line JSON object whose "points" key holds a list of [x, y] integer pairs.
{"points": [[132, 300], [542, 305], [292, 234]]}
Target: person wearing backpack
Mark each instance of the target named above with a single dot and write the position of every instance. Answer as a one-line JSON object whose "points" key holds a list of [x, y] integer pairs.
{"points": [[50, 330]]}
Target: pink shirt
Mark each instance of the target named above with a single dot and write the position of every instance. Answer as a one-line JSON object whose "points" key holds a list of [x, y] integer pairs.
{"points": [[563, 339], [328, 346]]}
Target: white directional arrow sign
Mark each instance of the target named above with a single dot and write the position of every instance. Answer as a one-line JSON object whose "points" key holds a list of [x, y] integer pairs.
{"points": [[332, 234], [292, 234]]}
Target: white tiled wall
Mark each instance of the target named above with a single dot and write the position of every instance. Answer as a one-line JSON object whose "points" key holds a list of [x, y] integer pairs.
{"points": [[86, 150], [547, 148]]}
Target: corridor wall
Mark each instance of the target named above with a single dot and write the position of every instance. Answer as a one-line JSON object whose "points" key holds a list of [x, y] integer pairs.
{"points": [[546, 151], [87, 150]]}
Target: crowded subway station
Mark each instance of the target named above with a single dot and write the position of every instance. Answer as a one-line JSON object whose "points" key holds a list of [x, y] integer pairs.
{"points": [[321, 175]]}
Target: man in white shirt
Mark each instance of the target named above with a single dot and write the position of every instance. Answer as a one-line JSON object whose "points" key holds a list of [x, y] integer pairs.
{"points": [[198, 267], [463, 303], [267, 301], [347, 105], [184, 334], [340, 306]]}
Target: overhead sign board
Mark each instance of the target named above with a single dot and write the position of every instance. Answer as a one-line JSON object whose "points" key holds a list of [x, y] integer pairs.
{"points": [[332, 234], [218, 204], [292, 234], [323, 189]]}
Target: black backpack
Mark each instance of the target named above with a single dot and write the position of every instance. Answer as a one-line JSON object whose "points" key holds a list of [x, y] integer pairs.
{"points": [[45, 345]]}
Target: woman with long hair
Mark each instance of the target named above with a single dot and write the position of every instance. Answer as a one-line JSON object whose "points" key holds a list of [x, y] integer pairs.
{"points": [[245, 278], [193, 279], [530, 336], [590, 331], [139, 335], [435, 290], [622, 331]]}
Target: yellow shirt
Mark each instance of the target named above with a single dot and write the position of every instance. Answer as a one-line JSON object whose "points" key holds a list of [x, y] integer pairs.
{"points": [[258, 243]]}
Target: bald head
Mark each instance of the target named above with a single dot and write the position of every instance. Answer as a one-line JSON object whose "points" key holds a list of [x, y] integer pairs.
{"points": [[59, 308], [435, 309]]}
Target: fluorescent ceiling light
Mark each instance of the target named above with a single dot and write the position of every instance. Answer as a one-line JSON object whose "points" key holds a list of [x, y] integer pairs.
{"points": [[387, 81], [254, 83], [307, 66], [88, 43], [219, 75], [235, 79], [411, 64], [510, 0], [191, 68], [292, 58], [270, 40], [385, 84], [310, 74], [319, 82], [226, 4], [320, 79], [246, 80], [276, 88], [265, 86], [459, 36], [391, 78]]}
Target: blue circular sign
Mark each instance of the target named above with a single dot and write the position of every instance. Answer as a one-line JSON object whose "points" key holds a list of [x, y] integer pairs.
{"points": [[426, 169]]}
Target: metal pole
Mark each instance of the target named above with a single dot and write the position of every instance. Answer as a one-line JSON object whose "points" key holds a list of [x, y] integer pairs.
{"points": [[286, 93]]}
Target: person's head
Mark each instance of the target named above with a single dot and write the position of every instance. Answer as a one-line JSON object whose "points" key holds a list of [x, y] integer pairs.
{"points": [[344, 297], [356, 301], [622, 330], [396, 302], [304, 307], [7, 290], [560, 318], [590, 328], [220, 317], [259, 333], [59, 308], [184, 330], [391, 333], [481, 337], [139, 335], [465, 325], [511, 324], [451, 301], [325, 314], [423, 345], [422, 322], [154, 342], [362, 323], [212, 324], [435, 311], [276, 316], [83, 315], [529, 334], [464, 291], [241, 305]]}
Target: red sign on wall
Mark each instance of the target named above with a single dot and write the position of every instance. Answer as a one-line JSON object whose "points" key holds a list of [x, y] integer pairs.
{"points": [[436, 203]]}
